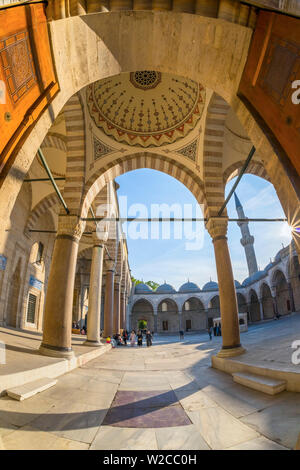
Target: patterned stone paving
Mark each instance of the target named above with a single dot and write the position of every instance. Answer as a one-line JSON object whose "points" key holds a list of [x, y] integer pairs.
{"points": [[157, 409]]}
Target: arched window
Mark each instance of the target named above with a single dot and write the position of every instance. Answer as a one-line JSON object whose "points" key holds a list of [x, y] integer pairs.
{"points": [[187, 305], [164, 307]]}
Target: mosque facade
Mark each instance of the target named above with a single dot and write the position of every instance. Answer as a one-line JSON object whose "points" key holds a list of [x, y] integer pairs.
{"points": [[263, 295]]}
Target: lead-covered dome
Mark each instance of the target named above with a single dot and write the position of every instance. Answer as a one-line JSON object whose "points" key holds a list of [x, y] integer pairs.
{"points": [[142, 288], [165, 289], [211, 285], [255, 277], [189, 287]]}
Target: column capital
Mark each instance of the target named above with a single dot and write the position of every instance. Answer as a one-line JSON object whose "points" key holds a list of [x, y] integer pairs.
{"points": [[217, 227], [110, 265], [70, 226], [99, 238]]}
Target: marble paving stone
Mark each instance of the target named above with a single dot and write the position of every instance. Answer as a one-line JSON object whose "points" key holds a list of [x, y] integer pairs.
{"points": [[238, 400], [260, 443], [129, 417], [80, 422], [124, 439], [195, 400], [6, 428], [28, 438], [280, 422], [92, 385], [73, 395], [22, 413], [146, 381], [219, 429], [146, 409], [150, 399], [183, 438]]}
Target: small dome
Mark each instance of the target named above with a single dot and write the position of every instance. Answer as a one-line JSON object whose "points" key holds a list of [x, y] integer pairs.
{"points": [[278, 256], [237, 284], [142, 288], [211, 285], [269, 266], [165, 289], [189, 287], [255, 277]]}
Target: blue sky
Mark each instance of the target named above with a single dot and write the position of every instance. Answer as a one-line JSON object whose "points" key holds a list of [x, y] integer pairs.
{"points": [[169, 260]]}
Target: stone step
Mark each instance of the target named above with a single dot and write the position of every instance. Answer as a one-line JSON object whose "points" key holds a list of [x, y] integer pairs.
{"points": [[259, 382], [31, 388]]}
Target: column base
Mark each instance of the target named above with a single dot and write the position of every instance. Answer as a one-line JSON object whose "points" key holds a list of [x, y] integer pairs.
{"points": [[231, 352], [91, 343], [53, 351]]}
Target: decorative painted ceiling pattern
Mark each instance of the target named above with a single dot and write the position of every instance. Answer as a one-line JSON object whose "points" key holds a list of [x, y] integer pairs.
{"points": [[146, 108]]}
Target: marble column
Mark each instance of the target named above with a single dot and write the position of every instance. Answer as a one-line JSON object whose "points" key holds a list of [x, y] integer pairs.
{"points": [[180, 321], [95, 291], [155, 323], [291, 295], [123, 310], [117, 295], [217, 229], [57, 327], [261, 309], [109, 299]]}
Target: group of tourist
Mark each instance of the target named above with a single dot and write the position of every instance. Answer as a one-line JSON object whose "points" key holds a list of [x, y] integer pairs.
{"points": [[216, 330], [134, 338], [76, 326], [139, 336]]}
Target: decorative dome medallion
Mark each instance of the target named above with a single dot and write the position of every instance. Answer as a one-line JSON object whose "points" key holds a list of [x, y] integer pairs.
{"points": [[146, 108]]}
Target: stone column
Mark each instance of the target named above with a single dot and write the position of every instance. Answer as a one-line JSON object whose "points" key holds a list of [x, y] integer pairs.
{"points": [[261, 309], [123, 310], [59, 299], [155, 323], [180, 321], [291, 295], [217, 229], [117, 312], [109, 299], [95, 291]]}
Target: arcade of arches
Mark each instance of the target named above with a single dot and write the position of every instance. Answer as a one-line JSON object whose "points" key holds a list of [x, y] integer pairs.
{"points": [[104, 88]]}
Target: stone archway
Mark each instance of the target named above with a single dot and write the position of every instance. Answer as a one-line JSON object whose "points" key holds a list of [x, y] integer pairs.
{"points": [[267, 302], [283, 300], [242, 303], [14, 297], [294, 275], [213, 309], [95, 52], [142, 310], [168, 317], [254, 307], [193, 315]]}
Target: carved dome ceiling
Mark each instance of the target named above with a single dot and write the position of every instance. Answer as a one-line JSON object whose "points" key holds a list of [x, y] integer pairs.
{"points": [[146, 108]]}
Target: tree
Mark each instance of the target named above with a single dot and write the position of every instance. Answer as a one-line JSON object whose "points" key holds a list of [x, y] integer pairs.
{"points": [[154, 285]]}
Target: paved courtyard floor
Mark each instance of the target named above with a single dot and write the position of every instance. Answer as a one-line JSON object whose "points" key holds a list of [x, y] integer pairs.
{"points": [[163, 397]]}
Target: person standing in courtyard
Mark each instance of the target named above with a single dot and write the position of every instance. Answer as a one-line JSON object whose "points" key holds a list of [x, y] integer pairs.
{"points": [[132, 338], [149, 338], [181, 334], [140, 338], [210, 333]]}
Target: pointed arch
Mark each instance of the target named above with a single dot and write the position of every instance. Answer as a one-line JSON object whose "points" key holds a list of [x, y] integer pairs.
{"points": [[137, 161], [75, 144], [48, 202], [213, 154]]}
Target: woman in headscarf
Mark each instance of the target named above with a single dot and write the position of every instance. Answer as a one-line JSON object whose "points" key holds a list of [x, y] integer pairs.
{"points": [[132, 338]]}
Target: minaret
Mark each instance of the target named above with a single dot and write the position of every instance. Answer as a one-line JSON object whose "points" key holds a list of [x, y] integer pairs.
{"points": [[247, 239]]}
